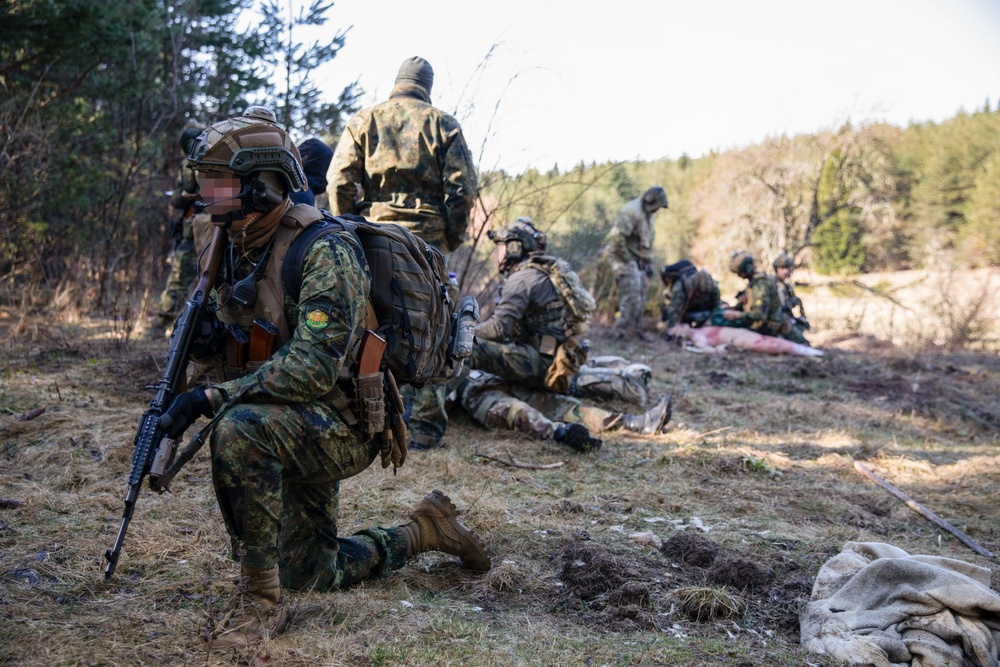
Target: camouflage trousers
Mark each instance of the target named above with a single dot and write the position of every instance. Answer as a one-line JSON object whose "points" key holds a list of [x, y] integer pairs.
{"points": [[428, 418], [796, 335], [183, 269], [632, 295], [495, 403], [603, 377], [277, 470], [518, 362]]}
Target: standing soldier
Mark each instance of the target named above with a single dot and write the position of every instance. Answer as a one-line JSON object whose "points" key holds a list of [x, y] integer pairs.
{"points": [[689, 295], [406, 162], [760, 307], [184, 262], [783, 265], [630, 249], [281, 443], [316, 157]]}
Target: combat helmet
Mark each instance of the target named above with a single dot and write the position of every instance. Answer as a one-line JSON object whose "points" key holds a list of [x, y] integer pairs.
{"points": [[671, 272], [741, 263], [783, 261], [655, 197], [254, 149], [521, 237]]}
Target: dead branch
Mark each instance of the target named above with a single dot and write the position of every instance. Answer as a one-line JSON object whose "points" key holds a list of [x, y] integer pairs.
{"points": [[31, 414], [10, 503], [923, 511], [511, 463]]}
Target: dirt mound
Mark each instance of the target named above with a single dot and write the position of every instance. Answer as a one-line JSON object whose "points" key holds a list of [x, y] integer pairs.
{"points": [[691, 549], [740, 573], [610, 590]]}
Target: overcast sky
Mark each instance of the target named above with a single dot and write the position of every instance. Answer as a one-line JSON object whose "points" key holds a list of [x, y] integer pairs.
{"points": [[542, 82]]}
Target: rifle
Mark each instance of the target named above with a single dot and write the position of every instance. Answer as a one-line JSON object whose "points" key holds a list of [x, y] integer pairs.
{"points": [[150, 443]]}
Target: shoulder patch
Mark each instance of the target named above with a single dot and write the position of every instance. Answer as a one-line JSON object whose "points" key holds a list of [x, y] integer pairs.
{"points": [[317, 314]]}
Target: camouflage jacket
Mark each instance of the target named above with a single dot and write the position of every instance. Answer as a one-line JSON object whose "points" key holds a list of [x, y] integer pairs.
{"points": [[529, 307], [331, 303], [693, 291], [412, 166], [631, 237], [788, 298], [185, 188], [761, 304]]}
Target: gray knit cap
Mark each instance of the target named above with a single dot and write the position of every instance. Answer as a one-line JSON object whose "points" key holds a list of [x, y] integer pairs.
{"points": [[417, 70]]}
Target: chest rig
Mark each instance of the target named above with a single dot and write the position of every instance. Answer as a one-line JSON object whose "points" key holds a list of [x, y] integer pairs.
{"points": [[271, 308]]}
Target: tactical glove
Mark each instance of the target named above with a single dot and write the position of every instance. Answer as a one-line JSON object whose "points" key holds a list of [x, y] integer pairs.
{"points": [[184, 411]]}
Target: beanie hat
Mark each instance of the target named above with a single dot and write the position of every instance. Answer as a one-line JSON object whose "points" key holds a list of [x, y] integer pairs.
{"points": [[417, 70]]}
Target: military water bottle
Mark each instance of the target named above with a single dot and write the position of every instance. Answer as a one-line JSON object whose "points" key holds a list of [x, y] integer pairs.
{"points": [[465, 327]]}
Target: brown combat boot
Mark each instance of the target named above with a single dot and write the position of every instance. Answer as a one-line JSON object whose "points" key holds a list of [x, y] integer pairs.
{"points": [[257, 611], [434, 526]]}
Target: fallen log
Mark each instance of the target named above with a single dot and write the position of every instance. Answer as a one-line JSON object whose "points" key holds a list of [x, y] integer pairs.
{"points": [[923, 511]]}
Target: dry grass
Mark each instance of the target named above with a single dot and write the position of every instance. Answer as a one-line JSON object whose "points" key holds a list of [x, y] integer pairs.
{"points": [[750, 492]]}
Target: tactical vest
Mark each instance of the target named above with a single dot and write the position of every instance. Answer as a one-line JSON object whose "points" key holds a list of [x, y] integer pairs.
{"points": [[573, 309], [271, 303]]}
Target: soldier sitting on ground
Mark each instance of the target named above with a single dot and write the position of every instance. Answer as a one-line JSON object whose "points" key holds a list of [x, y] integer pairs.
{"points": [[689, 295], [783, 265], [534, 338]]}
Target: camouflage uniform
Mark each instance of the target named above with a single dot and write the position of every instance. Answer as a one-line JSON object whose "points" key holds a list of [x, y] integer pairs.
{"points": [[690, 298], [184, 261], [278, 455], [761, 307], [404, 161], [413, 167], [630, 251], [789, 301], [497, 403], [519, 340]]}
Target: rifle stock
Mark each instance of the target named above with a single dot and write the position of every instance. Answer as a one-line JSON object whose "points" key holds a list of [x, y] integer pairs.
{"points": [[148, 436]]}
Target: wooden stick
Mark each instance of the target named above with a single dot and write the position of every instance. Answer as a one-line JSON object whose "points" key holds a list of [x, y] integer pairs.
{"points": [[528, 466], [923, 511], [31, 414]]}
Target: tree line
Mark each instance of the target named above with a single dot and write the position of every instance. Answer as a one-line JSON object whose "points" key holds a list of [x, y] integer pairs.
{"points": [[94, 93], [863, 198]]}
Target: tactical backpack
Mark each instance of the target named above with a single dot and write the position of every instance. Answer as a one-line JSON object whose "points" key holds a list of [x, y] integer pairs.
{"points": [[415, 312]]}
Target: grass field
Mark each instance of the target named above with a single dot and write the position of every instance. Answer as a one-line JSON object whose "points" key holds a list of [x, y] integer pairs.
{"points": [[750, 492]]}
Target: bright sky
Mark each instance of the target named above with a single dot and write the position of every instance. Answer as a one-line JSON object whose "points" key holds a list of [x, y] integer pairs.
{"points": [[542, 82]]}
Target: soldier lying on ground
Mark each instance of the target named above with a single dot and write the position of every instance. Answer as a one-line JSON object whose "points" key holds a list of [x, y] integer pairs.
{"points": [[496, 403], [716, 339]]}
